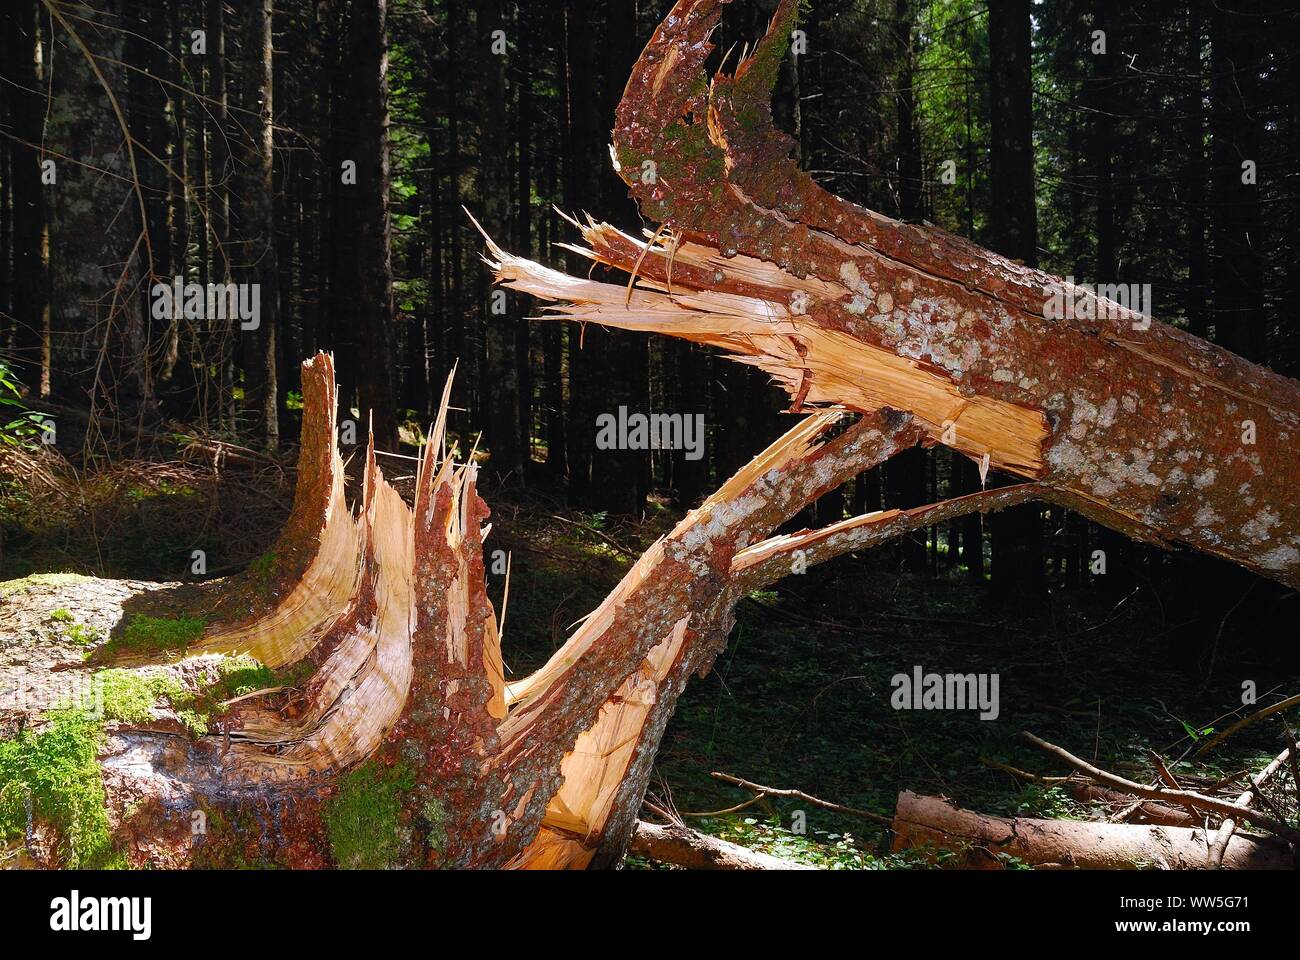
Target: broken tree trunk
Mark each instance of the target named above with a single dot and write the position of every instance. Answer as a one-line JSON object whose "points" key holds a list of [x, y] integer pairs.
{"points": [[936, 825], [1130, 421], [389, 736]]}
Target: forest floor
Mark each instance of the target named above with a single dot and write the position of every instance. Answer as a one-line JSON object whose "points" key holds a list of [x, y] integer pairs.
{"points": [[801, 697]]}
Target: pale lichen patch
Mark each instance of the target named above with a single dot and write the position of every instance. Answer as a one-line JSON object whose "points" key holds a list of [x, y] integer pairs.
{"points": [[1257, 527], [1280, 558]]}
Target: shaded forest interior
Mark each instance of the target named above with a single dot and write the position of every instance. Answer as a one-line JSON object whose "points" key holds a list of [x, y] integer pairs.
{"points": [[326, 152]]}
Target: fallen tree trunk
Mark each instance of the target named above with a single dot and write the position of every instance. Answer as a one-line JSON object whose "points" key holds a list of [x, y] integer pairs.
{"points": [[1133, 422], [684, 847], [1189, 799], [984, 842], [1145, 812]]}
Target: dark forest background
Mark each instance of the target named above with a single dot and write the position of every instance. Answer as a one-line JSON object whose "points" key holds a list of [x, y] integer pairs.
{"points": [[325, 149]]}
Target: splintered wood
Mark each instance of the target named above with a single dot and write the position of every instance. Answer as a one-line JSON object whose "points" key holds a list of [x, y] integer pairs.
{"points": [[321, 531], [357, 694], [546, 771], [1136, 423]]}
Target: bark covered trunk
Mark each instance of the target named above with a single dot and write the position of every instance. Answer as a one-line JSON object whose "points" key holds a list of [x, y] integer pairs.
{"points": [[935, 824], [1017, 535], [693, 850], [99, 251], [368, 100], [1138, 424], [255, 226], [24, 70]]}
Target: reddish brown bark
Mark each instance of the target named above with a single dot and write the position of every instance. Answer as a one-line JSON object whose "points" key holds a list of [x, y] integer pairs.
{"points": [[1137, 428], [932, 824], [1168, 437]]}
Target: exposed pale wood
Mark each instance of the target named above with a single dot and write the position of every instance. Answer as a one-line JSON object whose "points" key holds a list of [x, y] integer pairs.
{"points": [[924, 337], [684, 847], [317, 554], [595, 767]]}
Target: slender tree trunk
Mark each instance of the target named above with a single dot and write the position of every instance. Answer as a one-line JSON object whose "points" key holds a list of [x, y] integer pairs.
{"points": [[1117, 553], [905, 475], [501, 386], [1196, 180], [620, 478], [1238, 228], [178, 214], [256, 223], [455, 26], [553, 370], [368, 51], [579, 169], [436, 363], [221, 333], [1013, 232], [99, 242], [23, 71], [524, 227], [344, 211]]}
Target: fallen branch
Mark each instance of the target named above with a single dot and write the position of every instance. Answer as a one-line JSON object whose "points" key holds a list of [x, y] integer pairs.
{"points": [[1183, 798], [1140, 811], [1084, 791], [684, 847], [985, 842], [1166, 775], [762, 791], [774, 558], [1241, 724], [1229, 825]]}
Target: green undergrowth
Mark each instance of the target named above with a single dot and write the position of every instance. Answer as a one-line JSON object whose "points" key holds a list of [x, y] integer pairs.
{"points": [[801, 698]]}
